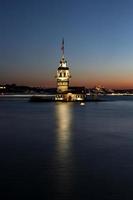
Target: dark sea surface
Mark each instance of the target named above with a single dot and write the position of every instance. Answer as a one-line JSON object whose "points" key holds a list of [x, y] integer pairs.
{"points": [[66, 151]]}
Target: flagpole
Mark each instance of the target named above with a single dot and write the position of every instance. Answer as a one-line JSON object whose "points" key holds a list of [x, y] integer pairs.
{"points": [[62, 47]]}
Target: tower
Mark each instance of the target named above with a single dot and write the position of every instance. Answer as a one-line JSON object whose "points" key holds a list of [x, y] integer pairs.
{"points": [[63, 74]]}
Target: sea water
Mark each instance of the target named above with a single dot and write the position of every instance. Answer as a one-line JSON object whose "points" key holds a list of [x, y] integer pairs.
{"points": [[65, 150]]}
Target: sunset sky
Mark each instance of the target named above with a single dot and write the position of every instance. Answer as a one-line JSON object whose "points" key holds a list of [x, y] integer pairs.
{"points": [[98, 41]]}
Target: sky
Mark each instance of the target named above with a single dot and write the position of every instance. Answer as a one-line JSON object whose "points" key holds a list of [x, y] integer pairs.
{"points": [[98, 38]]}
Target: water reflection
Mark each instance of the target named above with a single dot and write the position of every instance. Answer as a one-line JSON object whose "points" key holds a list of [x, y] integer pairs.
{"points": [[64, 121], [63, 155]]}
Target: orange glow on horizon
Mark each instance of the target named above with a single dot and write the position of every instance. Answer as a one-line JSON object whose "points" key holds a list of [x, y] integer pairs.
{"points": [[116, 84], [89, 80]]}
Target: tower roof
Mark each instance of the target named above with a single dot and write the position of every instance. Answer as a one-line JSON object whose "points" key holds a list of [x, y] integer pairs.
{"points": [[63, 62]]}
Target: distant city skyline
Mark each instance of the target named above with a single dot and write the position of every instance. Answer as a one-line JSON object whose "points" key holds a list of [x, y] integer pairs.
{"points": [[98, 38]]}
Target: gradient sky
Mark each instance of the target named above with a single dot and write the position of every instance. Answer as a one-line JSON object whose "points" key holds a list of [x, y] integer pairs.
{"points": [[98, 41]]}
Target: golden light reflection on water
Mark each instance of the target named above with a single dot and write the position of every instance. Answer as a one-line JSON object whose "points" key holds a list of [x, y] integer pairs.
{"points": [[63, 155], [64, 121]]}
